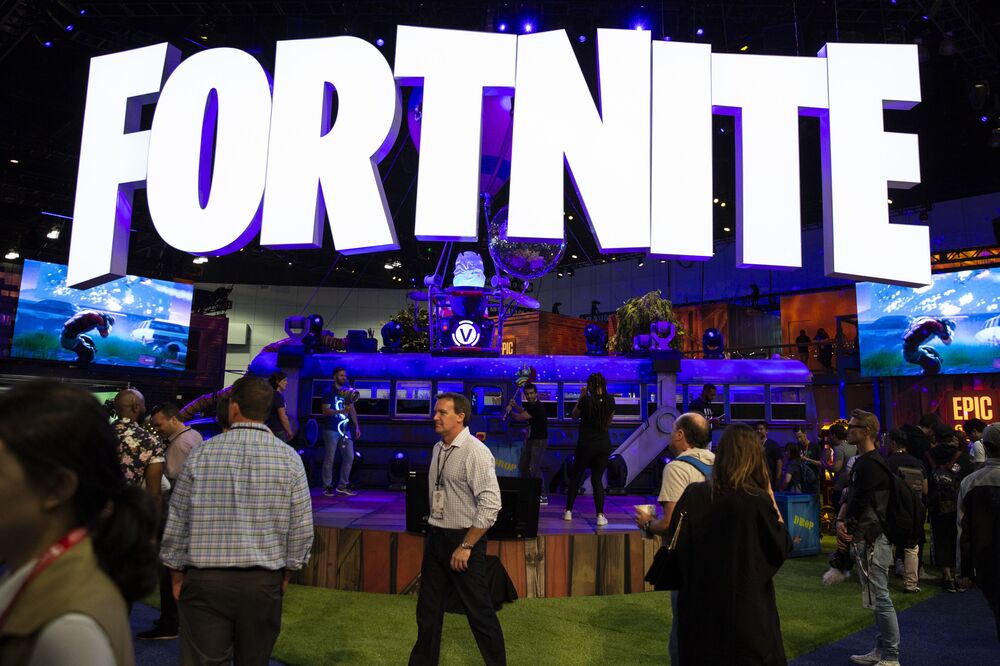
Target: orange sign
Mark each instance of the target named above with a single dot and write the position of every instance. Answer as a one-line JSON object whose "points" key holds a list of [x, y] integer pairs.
{"points": [[508, 347]]}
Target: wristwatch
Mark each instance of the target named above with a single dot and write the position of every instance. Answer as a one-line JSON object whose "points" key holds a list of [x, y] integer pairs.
{"points": [[466, 545]]}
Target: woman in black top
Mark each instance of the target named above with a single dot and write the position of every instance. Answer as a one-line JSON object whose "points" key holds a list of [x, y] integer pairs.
{"points": [[595, 408]]}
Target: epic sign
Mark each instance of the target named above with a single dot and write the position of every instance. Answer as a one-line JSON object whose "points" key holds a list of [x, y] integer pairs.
{"points": [[227, 157]]}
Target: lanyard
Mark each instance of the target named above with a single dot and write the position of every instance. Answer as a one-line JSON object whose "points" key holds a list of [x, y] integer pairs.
{"points": [[171, 440], [441, 466], [51, 554]]}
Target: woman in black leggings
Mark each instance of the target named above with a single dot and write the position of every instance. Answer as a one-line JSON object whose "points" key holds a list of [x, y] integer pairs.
{"points": [[595, 408]]}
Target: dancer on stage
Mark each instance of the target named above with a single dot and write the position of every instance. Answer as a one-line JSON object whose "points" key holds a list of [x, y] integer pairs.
{"points": [[595, 409], [533, 412], [339, 434]]}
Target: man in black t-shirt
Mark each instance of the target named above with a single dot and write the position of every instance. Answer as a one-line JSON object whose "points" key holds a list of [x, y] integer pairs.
{"points": [[912, 472], [703, 405], [530, 463], [773, 454]]}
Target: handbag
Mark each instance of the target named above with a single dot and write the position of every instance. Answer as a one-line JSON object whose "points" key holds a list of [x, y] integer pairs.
{"points": [[665, 572]]}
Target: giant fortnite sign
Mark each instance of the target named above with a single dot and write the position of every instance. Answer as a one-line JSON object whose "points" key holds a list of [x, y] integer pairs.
{"points": [[229, 155]]}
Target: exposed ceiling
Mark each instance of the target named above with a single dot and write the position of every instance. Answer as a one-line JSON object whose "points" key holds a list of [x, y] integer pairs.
{"points": [[42, 91]]}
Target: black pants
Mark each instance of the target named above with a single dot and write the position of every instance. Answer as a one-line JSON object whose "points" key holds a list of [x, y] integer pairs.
{"points": [[168, 605], [437, 579], [229, 614], [597, 460]]}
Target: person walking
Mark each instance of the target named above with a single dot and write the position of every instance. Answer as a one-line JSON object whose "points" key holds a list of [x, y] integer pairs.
{"points": [[859, 524], [240, 523], [692, 463], [730, 542], [464, 502], [595, 409]]}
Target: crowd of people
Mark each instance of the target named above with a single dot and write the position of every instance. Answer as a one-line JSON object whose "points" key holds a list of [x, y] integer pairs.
{"points": [[224, 526]]}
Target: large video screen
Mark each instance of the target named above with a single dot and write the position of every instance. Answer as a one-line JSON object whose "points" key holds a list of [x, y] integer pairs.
{"points": [[949, 327], [132, 321]]}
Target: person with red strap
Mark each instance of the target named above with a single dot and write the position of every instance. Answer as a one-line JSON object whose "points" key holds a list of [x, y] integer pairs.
{"points": [[77, 540]]}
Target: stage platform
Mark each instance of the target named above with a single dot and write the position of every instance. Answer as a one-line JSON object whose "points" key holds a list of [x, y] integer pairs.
{"points": [[361, 544]]}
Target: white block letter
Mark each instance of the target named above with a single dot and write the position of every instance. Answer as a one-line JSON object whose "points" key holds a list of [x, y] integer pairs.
{"points": [[112, 159], [682, 151], [309, 168], [607, 153], [859, 159], [765, 93], [196, 206], [456, 66]]}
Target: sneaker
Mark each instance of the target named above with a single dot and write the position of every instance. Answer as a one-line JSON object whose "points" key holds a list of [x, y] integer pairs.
{"points": [[346, 491], [601, 520], [899, 568], [923, 575], [543, 501], [568, 515], [949, 586], [328, 491], [870, 659], [911, 590], [157, 634]]}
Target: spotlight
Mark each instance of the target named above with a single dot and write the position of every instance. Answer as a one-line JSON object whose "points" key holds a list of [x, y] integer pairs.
{"points": [[54, 234], [380, 42], [47, 43], [581, 39], [726, 229], [559, 273], [502, 27], [570, 272], [723, 204], [529, 27], [712, 343], [889, 201], [70, 27], [638, 26], [13, 161], [666, 38], [715, 200], [982, 119], [392, 337], [569, 217], [641, 261], [12, 254], [699, 32], [399, 470], [200, 260], [596, 339], [617, 475], [573, 256], [744, 48]]}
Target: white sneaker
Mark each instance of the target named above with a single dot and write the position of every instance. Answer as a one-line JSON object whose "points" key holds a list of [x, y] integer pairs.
{"points": [[870, 659], [601, 520], [568, 515]]}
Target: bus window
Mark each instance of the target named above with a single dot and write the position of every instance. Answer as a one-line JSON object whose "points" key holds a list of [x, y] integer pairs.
{"points": [[413, 398], [746, 402], [450, 387], [788, 403], [571, 393], [650, 399], [626, 401], [680, 399], [374, 400], [320, 387], [548, 395], [487, 401]]}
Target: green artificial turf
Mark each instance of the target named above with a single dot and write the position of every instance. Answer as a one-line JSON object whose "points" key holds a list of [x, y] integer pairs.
{"points": [[321, 626]]}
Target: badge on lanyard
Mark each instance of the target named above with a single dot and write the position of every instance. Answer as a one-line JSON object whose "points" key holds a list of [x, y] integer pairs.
{"points": [[437, 504], [437, 497]]}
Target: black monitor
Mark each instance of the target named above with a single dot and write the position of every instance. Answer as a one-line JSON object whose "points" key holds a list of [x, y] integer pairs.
{"points": [[518, 517]]}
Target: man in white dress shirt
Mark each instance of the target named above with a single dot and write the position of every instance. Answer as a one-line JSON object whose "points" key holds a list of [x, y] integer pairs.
{"points": [[464, 501]]}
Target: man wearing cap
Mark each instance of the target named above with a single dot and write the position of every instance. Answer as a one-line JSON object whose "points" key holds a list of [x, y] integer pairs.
{"points": [[979, 524]]}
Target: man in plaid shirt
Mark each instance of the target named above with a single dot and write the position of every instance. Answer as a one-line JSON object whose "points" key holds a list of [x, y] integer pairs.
{"points": [[240, 522]]}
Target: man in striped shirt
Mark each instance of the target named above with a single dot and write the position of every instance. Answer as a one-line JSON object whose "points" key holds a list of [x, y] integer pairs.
{"points": [[465, 500], [240, 522]]}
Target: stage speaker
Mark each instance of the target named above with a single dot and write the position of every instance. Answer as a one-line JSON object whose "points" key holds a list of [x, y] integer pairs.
{"points": [[518, 517]]}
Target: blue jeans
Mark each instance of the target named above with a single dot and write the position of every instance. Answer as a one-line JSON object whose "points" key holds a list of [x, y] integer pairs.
{"points": [[874, 562], [332, 443]]}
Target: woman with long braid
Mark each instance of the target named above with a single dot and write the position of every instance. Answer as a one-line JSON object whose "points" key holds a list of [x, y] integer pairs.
{"points": [[595, 409]]}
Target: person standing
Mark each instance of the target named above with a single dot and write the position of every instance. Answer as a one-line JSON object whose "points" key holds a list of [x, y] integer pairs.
{"points": [[977, 451], [979, 524], [911, 471], [240, 523], [77, 540], [340, 432], [812, 452], [181, 440], [802, 343], [533, 412], [464, 501], [277, 418], [692, 463], [947, 465], [730, 542], [703, 405], [859, 524], [772, 454], [141, 452], [843, 451], [595, 409]]}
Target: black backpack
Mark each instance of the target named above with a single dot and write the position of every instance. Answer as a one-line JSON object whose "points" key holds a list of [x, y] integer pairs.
{"points": [[944, 491], [810, 479], [904, 513]]}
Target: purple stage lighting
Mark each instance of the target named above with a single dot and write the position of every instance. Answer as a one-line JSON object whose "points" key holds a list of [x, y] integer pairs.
{"points": [[529, 27], [638, 26], [47, 43], [984, 119], [69, 28], [379, 42], [581, 39], [666, 38], [502, 27], [699, 32]]}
